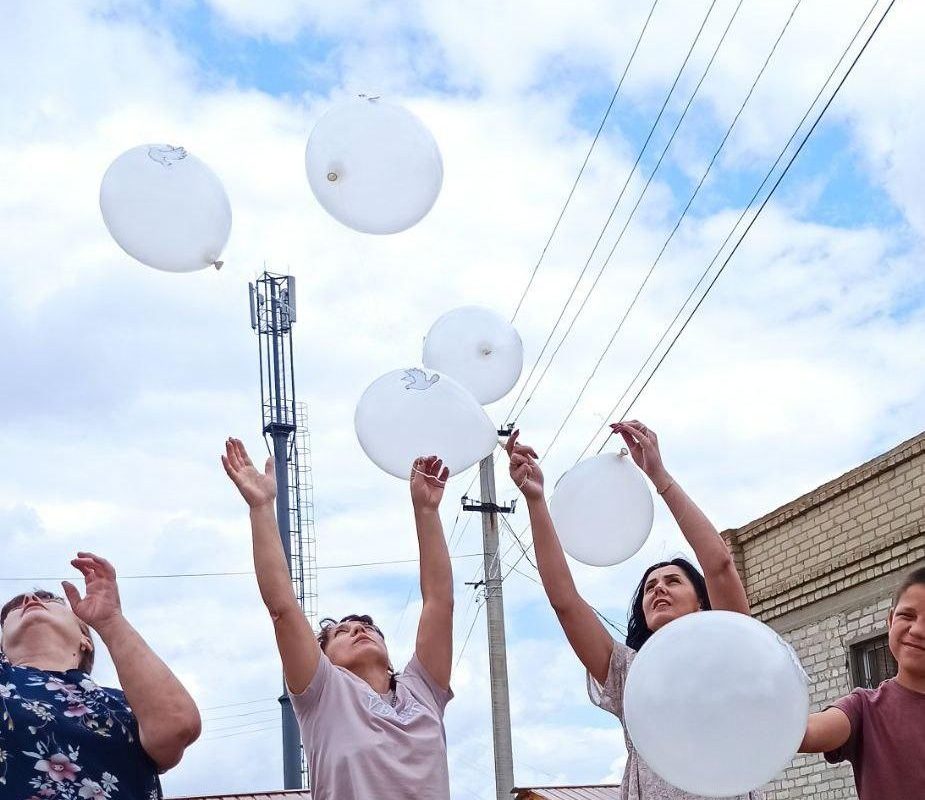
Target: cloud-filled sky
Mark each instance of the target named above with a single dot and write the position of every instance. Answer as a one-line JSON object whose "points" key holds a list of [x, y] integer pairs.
{"points": [[120, 383]]}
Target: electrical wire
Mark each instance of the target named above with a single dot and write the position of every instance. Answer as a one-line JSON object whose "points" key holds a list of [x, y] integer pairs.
{"points": [[736, 225], [584, 164], [510, 415], [224, 574], [632, 214], [674, 230]]}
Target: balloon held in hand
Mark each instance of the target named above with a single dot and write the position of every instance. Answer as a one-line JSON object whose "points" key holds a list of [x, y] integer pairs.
{"points": [[602, 509], [716, 703], [411, 411]]}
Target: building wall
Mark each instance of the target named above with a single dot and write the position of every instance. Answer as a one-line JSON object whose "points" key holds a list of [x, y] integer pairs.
{"points": [[822, 569]]}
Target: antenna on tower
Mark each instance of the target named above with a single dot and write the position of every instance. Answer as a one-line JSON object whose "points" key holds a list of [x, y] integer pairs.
{"points": [[285, 424]]}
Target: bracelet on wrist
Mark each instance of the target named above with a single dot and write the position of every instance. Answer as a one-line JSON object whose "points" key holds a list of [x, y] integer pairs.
{"points": [[662, 491]]}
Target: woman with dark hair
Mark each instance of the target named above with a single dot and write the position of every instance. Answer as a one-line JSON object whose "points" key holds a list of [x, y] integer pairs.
{"points": [[368, 731], [668, 590], [63, 737]]}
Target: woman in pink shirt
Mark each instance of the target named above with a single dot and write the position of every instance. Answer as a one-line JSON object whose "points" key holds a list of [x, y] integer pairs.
{"points": [[368, 731], [882, 731]]}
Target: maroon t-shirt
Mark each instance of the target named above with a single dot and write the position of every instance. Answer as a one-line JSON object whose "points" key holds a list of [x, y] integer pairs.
{"points": [[887, 742]]}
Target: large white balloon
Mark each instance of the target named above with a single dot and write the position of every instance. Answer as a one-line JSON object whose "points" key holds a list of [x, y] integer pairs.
{"points": [[409, 413], [602, 510], [477, 347], [166, 208], [373, 166], [716, 703]]}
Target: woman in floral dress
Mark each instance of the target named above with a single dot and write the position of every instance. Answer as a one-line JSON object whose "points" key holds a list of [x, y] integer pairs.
{"points": [[63, 737]]}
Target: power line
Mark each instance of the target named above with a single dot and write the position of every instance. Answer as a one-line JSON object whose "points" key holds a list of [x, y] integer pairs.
{"points": [[242, 703], [511, 416], [736, 225], [239, 733], [675, 229], [584, 163], [632, 214], [224, 574]]}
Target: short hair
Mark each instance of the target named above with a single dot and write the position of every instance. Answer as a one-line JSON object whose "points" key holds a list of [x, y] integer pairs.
{"points": [[914, 578], [328, 624], [87, 657]]}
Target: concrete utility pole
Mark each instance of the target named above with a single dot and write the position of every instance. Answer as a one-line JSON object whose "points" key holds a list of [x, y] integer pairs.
{"points": [[497, 648]]}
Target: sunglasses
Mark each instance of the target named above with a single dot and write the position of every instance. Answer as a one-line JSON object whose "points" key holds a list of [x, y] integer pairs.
{"points": [[20, 600]]}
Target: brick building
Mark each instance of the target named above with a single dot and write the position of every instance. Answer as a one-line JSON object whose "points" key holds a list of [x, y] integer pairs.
{"points": [[821, 571]]}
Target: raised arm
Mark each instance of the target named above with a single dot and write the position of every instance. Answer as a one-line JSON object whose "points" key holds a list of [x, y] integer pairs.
{"points": [[168, 720], [723, 582], [827, 730], [434, 646], [586, 634], [298, 648]]}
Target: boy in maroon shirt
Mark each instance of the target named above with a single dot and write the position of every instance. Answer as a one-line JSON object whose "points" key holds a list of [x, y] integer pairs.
{"points": [[882, 731]]}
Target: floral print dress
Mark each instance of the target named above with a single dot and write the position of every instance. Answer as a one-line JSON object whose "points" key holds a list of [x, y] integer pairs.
{"points": [[62, 737]]}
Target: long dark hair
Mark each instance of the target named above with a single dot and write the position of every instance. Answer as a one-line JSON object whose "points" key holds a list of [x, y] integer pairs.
{"points": [[637, 631], [329, 623]]}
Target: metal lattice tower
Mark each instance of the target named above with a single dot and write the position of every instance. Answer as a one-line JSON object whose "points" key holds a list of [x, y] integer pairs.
{"points": [[285, 423]]}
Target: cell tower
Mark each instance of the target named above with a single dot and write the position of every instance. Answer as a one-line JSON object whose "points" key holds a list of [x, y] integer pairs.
{"points": [[285, 424]]}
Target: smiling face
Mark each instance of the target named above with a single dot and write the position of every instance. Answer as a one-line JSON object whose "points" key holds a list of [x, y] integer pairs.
{"points": [[667, 594], [355, 643], [907, 632], [42, 622]]}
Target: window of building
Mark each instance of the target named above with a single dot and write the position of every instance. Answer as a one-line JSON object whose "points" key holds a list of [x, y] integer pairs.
{"points": [[872, 662]]}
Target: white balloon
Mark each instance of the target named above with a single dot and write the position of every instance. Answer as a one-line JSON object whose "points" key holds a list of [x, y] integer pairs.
{"points": [[477, 347], [373, 166], [716, 703], [166, 208], [409, 413], [602, 510]]}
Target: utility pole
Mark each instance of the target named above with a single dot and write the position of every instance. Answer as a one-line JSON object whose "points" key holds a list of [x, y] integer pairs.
{"points": [[272, 309], [494, 610]]}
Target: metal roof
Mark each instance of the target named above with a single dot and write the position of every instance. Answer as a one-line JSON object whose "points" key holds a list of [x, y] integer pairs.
{"points": [[608, 791], [279, 794]]}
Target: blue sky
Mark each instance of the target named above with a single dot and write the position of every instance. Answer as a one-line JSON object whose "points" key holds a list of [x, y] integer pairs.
{"points": [[795, 369]]}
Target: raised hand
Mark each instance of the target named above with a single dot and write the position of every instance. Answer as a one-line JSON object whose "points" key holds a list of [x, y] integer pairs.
{"points": [[257, 488], [643, 446], [428, 479], [101, 603], [523, 467]]}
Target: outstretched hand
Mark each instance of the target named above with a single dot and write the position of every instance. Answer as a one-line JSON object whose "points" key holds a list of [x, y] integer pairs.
{"points": [[643, 446], [523, 468], [428, 480], [101, 603], [257, 488]]}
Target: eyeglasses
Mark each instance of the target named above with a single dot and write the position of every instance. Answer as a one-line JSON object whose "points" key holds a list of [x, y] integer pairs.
{"points": [[20, 600]]}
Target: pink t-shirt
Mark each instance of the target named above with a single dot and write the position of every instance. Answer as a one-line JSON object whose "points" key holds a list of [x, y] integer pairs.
{"points": [[887, 742], [360, 746]]}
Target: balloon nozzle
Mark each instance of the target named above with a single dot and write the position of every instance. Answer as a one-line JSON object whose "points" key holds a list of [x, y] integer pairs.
{"points": [[332, 176], [624, 451], [218, 265]]}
